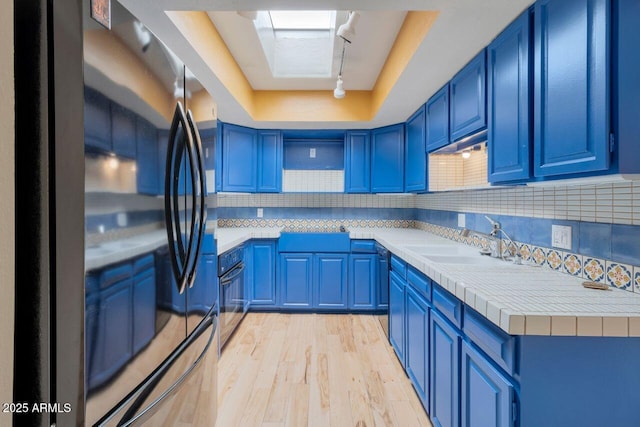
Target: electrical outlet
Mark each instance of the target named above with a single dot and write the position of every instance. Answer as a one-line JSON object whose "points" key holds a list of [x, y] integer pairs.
{"points": [[462, 220], [312, 153], [561, 236], [260, 213]]}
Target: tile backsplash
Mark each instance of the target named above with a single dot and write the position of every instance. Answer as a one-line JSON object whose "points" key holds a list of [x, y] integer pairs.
{"points": [[605, 220], [310, 181]]}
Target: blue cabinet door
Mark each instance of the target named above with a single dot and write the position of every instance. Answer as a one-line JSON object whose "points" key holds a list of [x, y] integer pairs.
{"points": [[123, 131], [571, 81], [508, 82], [437, 110], [486, 396], [415, 158], [263, 271], [92, 332], [295, 280], [417, 334], [208, 138], [239, 159], [330, 281], [396, 314], [387, 159], [97, 121], [444, 350], [144, 309], [357, 162], [148, 177], [114, 322], [269, 161], [468, 105], [204, 292], [362, 281]]}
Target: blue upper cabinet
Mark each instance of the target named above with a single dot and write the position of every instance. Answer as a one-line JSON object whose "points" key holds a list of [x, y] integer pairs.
{"points": [[508, 82], [208, 138], [387, 159], [148, 176], [437, 110], [357, 162], [468, 106], [239, 159], [269, 161], [415, 158], [97, 120], [123, 131], [626, 90], [571, 86]]}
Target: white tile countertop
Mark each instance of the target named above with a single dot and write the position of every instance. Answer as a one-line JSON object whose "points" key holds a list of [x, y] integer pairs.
{"points": [[228, 238], [119, 250], [520, 299]]}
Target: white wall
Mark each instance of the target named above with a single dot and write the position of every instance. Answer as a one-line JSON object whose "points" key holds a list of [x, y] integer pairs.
{"points": [[6, 207]]}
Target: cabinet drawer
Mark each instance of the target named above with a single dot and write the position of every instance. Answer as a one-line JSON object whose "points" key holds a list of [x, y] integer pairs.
{"points": [[499, 345], [419, 282], [399, 266], [448, 305], [363, 246], [115, 274]]}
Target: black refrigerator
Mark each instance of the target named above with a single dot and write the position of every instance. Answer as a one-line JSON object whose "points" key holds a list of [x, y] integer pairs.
{"points": [[116, 314]]}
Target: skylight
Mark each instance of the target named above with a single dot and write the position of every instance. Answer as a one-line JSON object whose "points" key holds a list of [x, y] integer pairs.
{"points": [[301, 19]]}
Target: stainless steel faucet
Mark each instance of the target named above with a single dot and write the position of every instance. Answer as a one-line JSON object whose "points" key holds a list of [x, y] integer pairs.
{"points": [[497, 228], [493, 250]]}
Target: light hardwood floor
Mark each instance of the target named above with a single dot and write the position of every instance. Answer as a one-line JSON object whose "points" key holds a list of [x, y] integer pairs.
{"points": [[313, 370]]}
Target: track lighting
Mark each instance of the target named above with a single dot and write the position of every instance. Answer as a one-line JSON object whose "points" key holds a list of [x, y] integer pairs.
{"points": [[339, 92], [348, 30]]}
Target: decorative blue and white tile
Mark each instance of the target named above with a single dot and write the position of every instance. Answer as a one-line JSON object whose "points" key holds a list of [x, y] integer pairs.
{"points": [[572, 264], [619, 275], [636, 279], [525, 252], [539, 255], [594, 269], [554, 259]]}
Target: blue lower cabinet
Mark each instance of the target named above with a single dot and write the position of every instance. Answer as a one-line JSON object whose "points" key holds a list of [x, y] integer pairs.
{"points": [[444, 350], [397, 314], [204, 292], [487, 397], [91, 322], [114, 329], [295, 280], [262, 283], [362, 281], [330, 281], [417, 348], [144, 309]]}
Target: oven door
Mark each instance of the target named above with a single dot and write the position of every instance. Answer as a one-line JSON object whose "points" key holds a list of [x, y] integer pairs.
{"points": [[231, 301]]}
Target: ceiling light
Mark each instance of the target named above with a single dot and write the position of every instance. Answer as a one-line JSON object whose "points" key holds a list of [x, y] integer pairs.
{"points": [[339, 92], [113, 162], [466, 154], [348, 30]]}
